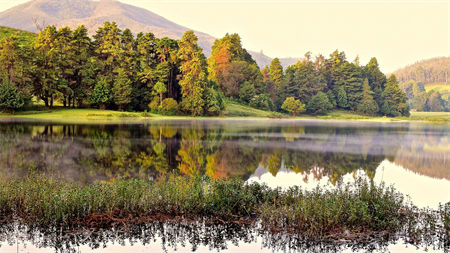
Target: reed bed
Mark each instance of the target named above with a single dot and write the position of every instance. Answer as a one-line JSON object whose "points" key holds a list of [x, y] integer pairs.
{"points": [[345, 211]]}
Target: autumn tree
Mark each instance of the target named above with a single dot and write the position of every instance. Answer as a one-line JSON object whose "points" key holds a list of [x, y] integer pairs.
{"points": [[230, 65]]}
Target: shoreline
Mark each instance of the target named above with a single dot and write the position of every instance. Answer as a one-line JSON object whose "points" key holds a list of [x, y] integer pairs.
{"points": [[96, 116]]}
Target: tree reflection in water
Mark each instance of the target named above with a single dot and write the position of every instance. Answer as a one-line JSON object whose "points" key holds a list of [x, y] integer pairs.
{"points": [[175, 235], [89, 153]]}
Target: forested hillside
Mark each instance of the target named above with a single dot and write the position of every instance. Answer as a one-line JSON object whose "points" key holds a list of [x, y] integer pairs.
{"points": [[434, 70], [426, 84], [117, 70]]}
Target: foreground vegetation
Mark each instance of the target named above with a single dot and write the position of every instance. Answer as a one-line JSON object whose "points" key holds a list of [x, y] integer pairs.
{"points": [[361, 210]]}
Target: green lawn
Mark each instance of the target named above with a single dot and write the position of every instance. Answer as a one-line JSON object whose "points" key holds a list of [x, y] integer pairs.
{"points": [[233, 110]]}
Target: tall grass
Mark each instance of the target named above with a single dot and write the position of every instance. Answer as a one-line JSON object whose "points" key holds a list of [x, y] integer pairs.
{"points": [[363, 208]]}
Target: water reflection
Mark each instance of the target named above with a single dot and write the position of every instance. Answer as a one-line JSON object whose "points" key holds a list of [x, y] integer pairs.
{"points": [[174, 236], [308, 152]]}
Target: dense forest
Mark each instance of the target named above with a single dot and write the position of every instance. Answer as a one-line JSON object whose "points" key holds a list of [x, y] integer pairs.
{"points": [[434, 70], [426, 84], [420, 99], [117, 70]]}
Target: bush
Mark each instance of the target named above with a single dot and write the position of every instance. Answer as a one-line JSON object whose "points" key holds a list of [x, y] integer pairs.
{"points": [[319, 104], [214, 101], [261, 101], [11, 99], [169, 106], [154, 105]]}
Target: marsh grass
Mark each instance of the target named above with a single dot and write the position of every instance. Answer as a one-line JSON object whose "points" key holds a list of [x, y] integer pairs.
{"points": [[362, 209]]}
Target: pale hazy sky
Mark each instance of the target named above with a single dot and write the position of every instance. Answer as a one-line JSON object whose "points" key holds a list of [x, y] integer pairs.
{"points": [[397, 32]]}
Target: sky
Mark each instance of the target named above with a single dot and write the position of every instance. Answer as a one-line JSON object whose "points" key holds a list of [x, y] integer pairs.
{"points": [[397, 32]]}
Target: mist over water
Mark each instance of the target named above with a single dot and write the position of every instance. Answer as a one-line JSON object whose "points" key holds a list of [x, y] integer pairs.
{"points": [[413, 157]]}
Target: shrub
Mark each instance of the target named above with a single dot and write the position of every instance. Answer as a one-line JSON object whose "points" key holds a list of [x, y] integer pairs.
{"points": [[11, 99], [169, 106], [154, 105], [261, 101], [319, 104]]}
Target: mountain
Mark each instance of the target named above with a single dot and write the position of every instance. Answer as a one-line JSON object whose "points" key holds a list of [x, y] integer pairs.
{"points": [[435, 70], [93, 14]]}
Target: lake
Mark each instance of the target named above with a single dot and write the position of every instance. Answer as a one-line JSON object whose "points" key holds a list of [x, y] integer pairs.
{"points": [[413, 157]]}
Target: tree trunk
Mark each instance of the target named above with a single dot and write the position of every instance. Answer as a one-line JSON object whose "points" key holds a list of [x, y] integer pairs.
{"points": [[65, 102], [51, 101]]}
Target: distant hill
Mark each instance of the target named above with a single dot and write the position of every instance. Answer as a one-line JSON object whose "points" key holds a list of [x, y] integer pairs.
{"points": [[94, 13], [435, 70], [22, 36]]}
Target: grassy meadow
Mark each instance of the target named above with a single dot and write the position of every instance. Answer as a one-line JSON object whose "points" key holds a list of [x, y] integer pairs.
{"points": [[233, 110]]}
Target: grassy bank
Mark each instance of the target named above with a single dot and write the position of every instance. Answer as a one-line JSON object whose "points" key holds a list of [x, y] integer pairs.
{"points": [[232, 110], [345, 211]]}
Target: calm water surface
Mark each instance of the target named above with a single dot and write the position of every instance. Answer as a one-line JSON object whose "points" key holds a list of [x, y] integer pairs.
{"points": [[413, 157]]}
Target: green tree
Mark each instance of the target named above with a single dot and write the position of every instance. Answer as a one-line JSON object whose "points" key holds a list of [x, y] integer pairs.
{"points": [[122, 89], [303, 82], [342, 100], [332, 98], [293, 106], [367, 104], [276, 71], [419, 101], [193, 69], [101, 94], [83, 67], [319, 104], [108, 52], [45, 66], [247, 92], [435, 103], [394, 99], [214, 100], [160, 87], [377, 80], [11, 99], [15, 65]]}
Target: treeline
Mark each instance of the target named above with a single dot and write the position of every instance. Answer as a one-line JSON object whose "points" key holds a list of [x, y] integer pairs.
{"points": [[113, 70], [117, 70], [434, 70], [421, 100], [315, 85]]}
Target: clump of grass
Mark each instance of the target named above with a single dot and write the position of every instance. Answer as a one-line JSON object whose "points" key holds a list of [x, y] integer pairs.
{"points": [[364, 208], [99, 115]]}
